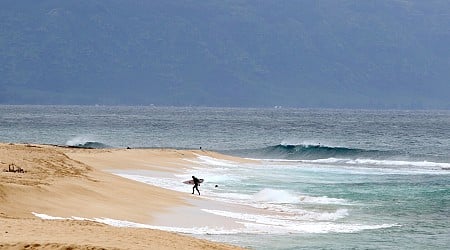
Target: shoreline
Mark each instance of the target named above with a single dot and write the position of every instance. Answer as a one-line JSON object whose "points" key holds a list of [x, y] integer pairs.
{"points": [[65, 182]]}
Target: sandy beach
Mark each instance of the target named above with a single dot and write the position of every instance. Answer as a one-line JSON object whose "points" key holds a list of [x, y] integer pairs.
{"points": [[71, 182]]}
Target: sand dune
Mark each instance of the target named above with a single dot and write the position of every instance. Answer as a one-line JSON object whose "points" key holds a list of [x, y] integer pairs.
{"points": [[67, 182]]}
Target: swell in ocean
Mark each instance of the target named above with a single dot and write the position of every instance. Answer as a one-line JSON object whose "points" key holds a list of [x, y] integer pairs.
{"points": [[86, 142], [348, 156], [312, 152]]}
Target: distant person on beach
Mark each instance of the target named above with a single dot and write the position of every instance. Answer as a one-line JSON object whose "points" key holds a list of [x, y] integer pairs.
{"points": [[196, 184]]}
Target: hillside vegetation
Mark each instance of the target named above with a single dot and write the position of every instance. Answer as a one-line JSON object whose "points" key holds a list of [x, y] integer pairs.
{"points": [[348, 53]]}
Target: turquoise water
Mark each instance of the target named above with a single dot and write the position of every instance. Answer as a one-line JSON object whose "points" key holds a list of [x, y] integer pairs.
{"points": [[335, 206], [415, 208], [338, 179]]}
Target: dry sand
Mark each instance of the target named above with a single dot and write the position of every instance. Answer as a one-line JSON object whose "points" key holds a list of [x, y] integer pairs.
{"points": [[67, 182]]}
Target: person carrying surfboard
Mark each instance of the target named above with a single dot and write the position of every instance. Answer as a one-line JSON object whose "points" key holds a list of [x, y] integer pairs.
{"points": [[196, 184]]}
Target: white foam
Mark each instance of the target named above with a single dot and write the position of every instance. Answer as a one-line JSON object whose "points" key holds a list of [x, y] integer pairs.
{"points": [[236, 196], [193, 230], [323, 200], [80, 140], [367, 166], [48, 217], [265, 198], [167, 183], [275, 196], [222, 178], [380, 162], [212, 175], [293, 224], [320, 227], [253, 223], [122, 223], [283, 196], [210, 161], [309, 143], [289, 216], [298, 215]]}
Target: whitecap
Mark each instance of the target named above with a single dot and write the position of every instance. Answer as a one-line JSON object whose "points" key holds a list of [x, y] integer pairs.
{"points": [[275, 196]]}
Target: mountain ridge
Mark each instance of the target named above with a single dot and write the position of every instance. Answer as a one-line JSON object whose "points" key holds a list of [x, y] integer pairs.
{"points": [[332, 54]]}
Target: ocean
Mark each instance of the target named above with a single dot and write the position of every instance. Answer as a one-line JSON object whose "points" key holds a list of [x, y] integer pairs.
{"points": [[336, 179]]}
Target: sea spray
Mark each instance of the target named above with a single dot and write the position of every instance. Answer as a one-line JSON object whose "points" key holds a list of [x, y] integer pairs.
{"points": [[85, 142], [276, 196]]}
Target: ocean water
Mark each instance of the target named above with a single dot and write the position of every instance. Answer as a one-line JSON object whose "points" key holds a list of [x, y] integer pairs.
{"points": [[329, 179]]}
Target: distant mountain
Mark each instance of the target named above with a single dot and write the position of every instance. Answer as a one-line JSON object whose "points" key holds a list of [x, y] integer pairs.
{"points": [[338, 54]]}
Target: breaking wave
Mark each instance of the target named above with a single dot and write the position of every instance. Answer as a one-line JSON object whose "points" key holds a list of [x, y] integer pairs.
{"points": [[83, 142], [312, 152]]}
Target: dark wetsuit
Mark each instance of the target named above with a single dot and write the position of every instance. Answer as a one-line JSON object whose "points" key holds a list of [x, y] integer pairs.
{"points": [[196, 183]]}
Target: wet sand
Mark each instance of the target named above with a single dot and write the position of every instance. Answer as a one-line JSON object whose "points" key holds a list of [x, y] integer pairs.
{"points": [[66, 182]]}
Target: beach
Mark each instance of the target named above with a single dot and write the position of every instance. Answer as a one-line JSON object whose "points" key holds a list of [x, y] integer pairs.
{"points": [[71, 186], [273, 178]]}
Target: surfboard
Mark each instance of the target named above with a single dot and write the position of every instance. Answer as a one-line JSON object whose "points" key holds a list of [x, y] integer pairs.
{"points": [[192, 181]]}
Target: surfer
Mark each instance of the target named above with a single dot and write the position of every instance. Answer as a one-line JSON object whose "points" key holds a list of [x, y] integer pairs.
{"points": [[196, 184]]}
